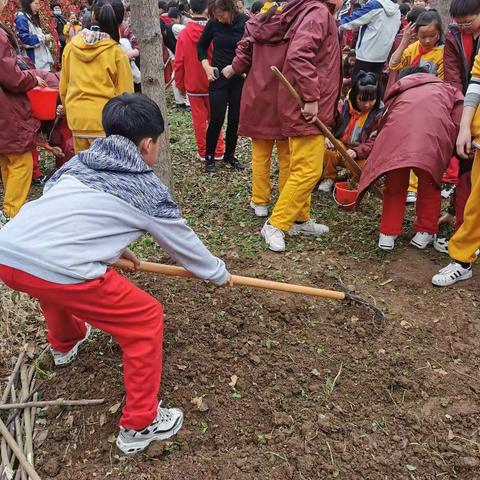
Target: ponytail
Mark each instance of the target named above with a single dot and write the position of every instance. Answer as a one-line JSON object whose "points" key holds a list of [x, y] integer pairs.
{"points": [[108, 16]]}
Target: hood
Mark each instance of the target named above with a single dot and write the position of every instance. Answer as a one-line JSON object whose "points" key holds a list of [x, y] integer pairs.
{"points": [[194, 29], [114, 154], [88, 44], [409, 82], [389, 7], [282, 25]]}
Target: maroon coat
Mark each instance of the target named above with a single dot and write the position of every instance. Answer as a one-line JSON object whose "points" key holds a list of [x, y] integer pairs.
{"points": [[418, 129], [312, 65], [261, 47], [18, 128]]}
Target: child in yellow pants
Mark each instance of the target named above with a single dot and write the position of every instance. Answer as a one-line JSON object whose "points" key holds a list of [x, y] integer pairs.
{"points": [[464, 244], [356, 127], [261, 164], [16, 171]]}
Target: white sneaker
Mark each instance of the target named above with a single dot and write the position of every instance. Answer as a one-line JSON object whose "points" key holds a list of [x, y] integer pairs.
{"points": [[62, 359], [440, 244], [260, 210], [274, 237], [3, 219], [326, 185], [308, 228], [422, 240], [386, 242], [451, 274], [411, 197], [200, 158], [166, 424]]}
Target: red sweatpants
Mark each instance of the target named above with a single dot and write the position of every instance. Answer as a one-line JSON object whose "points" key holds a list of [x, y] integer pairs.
{"points": [[116, 306], [200, 107], [428, 204], [464, 188]]}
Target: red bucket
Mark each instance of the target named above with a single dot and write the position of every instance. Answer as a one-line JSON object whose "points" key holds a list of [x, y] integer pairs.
{"points": [[43, 102], [343, 196]]}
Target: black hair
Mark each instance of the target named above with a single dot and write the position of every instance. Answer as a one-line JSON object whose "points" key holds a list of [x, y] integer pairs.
{"points": [[27, 10], [109, 15], [226, 6], [411, 70], [404, 8], [163, 5], [269, 14], [367, 86], [54, 4], [133, 116], [172, 4], [198, 6], [429, 17], [414, 13], [350, 54], [409, 2], [173, 12], [257, 7], [462, 8]]}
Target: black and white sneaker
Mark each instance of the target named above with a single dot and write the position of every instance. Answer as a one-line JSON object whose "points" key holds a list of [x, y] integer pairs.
{"points": [[451, 274], [167, 423]]}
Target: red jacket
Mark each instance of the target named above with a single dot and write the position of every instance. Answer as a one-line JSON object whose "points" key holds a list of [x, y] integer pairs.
{"points": [[18, 128], [261, 47], [189, 73], [418, 129], [312, 65]]}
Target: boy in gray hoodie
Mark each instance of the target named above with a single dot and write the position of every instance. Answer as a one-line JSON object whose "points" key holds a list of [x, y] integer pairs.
{"points": [[58, 249]]}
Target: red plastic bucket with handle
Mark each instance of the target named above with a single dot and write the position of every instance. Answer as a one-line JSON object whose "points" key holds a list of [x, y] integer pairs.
{"points": [[343, 196], [43, 102]]}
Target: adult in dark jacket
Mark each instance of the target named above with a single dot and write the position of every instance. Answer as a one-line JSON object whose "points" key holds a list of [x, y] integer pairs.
{"points": [[60, 24], [417, 131], [18, 128], [312, 65], [225, 30]]}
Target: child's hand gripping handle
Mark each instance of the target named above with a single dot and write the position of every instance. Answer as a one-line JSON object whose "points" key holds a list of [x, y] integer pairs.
{"points": [[174, 271], [352, 166]]}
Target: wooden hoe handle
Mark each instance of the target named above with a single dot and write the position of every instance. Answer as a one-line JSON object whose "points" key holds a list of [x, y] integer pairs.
{"points": [[174, 271], [352, 165]]}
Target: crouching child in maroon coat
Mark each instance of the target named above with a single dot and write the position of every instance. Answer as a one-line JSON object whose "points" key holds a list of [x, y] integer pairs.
{"points": [[417, 131]]}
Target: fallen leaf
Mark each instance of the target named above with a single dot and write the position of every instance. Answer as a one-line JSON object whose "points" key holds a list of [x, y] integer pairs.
{"points": [[114, 408], [69, 420], [103, 419], [410, 468], [316, 372], [182, 367], [200, 403], [233, 381], [451, 435], [112, 438], [40, 438]]}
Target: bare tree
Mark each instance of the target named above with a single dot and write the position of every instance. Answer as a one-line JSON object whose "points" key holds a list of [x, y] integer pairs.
{"points": [[146, 25]]}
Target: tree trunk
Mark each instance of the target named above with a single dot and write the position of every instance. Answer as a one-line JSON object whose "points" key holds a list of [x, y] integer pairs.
{"points": [[443, 7], [146, 25]]}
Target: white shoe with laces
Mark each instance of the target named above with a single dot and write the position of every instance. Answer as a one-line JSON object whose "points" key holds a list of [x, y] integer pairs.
{"points": [[260, 210], [411, 197], [166, 424], [3, 219], [386, 242], [452, 274], [274, 237], [326, 185], [62, 359], [440, 244], [308, 228], [422, 240]]}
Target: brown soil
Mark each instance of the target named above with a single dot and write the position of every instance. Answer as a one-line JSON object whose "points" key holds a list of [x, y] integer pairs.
{"points": [[405, 403]]}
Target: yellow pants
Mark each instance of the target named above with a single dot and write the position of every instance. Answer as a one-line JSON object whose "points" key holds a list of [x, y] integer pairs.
{"points": [[81, 144], [16, 171], [261, 163], [333, 159], [413, 183], [466, 241], [306, 163]]}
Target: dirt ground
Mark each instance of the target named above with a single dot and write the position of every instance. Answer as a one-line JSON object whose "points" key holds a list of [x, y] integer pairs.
{"points": [[277, 386]]}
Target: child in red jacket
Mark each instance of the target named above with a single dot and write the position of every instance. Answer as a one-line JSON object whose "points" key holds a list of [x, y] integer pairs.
{"points": [[190, 77]]}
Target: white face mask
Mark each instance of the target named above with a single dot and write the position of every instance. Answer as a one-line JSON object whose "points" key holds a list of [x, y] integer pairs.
{"points": [[56, 11]]}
